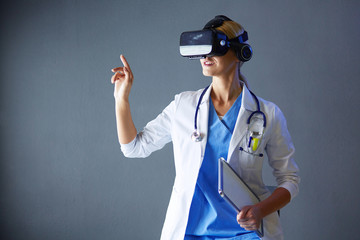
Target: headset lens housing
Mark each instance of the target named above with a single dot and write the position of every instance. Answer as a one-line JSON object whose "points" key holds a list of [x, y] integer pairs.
{"points": [[199, 44]]}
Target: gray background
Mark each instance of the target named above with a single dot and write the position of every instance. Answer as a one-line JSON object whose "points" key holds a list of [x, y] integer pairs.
{"points": [[62, 173]]}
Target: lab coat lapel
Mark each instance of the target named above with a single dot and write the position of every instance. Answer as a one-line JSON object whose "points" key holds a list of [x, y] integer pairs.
{"points": [[203, 121], [248, 105]]}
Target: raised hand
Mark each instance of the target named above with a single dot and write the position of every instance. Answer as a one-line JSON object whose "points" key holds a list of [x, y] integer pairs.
{"points": [[123, 79]]}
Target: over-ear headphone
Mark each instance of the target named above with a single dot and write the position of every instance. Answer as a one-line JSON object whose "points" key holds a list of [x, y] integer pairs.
{"points": [[243, 50]]}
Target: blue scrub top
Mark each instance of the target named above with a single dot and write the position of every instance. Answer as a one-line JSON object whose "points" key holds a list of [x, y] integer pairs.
{"points": [[210, 216]]}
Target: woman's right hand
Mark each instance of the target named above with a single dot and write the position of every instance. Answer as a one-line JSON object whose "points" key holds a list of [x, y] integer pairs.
{"points": [[123, 79]]}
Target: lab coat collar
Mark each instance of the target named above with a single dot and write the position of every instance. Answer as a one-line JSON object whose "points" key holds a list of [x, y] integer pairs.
{"points": [[203, 117], [248, 102], [206, 96], [248, 105]]}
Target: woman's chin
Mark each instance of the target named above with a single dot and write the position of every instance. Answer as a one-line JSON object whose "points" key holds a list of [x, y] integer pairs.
{"points": [[207, 73]]}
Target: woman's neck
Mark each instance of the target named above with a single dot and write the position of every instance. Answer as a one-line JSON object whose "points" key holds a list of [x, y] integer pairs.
{"points": [[225, 90]]}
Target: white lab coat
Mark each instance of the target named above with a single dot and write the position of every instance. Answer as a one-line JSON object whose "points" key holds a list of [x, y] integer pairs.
{"points": [[176, 124]]}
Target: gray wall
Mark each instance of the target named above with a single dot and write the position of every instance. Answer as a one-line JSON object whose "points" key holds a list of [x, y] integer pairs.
{"points": [[62, 173]]}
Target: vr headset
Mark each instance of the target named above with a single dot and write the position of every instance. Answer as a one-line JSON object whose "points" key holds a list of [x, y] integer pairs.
{"points": [[211, 42]]}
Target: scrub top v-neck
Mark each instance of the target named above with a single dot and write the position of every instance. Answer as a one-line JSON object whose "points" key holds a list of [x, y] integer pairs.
{"points": [[210, 217]]}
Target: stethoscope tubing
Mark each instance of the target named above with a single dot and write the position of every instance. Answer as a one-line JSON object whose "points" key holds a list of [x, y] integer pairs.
{"points": [[248, 120], [198, 105], [258, 110]]}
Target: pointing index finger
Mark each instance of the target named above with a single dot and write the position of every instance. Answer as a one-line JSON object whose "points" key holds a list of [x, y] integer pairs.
{"points": [[123, 60]]}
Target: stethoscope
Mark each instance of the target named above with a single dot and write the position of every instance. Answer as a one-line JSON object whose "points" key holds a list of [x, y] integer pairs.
{"points": [[196, 136]]}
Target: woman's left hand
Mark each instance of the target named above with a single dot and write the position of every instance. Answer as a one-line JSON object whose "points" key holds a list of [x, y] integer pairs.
{"points": [[250, 217]]}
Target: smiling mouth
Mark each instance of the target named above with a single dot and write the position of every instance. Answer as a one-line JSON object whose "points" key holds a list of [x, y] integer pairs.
{"points": [[208, 63]]}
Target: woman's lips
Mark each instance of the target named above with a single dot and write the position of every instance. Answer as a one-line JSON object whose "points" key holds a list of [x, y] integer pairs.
{"points": [[208, 63]]}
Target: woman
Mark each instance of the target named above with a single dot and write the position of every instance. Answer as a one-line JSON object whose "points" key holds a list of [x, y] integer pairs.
{"points": [[196, 211]]}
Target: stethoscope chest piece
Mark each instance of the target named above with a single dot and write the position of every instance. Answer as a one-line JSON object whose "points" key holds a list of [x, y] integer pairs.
{"points": [[196, 136]]}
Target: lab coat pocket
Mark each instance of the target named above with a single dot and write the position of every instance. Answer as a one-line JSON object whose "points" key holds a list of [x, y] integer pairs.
{"points": [[251, 158]]}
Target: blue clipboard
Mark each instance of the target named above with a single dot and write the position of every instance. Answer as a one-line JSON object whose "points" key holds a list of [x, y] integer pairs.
{"points": [[235, 191]]}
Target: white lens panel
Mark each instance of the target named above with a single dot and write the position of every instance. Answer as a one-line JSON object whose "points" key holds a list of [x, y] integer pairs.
{"points": [[195, 50]]}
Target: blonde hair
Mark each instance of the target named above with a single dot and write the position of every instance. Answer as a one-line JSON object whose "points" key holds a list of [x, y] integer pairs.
{"points": [[233, 29]]}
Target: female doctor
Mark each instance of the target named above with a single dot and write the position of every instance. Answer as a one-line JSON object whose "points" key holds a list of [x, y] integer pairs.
{"points": [[196, 210]]}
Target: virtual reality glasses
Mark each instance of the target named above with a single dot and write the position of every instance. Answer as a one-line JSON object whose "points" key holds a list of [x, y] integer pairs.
{"points": [[211, 42]]}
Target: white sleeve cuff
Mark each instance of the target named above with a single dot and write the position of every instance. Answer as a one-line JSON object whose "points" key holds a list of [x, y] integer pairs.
{"points": [[291, 187], [126, 148]]}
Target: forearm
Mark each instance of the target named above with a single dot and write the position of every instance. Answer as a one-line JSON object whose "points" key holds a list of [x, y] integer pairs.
{"points": [[277, 200], [125, 126]]}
